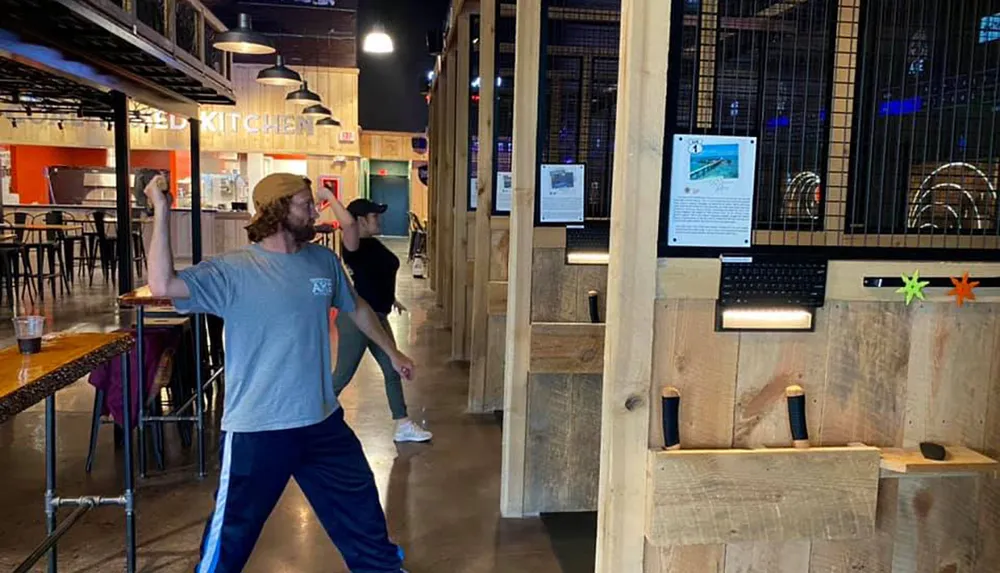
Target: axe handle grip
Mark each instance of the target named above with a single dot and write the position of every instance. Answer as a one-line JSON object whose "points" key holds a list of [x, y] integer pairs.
{"points": [[671, 402], [796, 397]]}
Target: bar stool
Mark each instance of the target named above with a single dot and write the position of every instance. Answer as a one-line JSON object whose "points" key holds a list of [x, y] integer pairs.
{"points": [[105, 245]]}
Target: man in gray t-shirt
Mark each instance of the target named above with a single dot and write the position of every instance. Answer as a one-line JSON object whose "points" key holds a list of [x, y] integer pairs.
{"points": [[281, 417]]}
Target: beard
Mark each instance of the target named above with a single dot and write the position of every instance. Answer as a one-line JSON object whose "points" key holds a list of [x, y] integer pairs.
{"points": [[301, 232]]}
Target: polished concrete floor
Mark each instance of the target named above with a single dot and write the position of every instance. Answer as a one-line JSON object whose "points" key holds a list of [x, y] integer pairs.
{"points": [[441, 499]]}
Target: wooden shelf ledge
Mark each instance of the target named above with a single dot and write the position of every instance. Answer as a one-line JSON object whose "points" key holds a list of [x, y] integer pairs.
{"points": [[699, 497], [909, 462]]}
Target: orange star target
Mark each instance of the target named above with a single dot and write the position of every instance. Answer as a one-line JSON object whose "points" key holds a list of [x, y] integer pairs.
{"points": [[963, 289]]}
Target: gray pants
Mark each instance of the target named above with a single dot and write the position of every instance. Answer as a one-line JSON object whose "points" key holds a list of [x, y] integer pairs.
{"points": [[351, 349]]}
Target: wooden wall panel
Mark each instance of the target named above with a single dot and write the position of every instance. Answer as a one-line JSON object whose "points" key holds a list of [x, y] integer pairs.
{"points": [[877, 372], [768, 364], [390, 145], [493, 390], [702, 365], [500, 241], [563, 442], [567, 347], [559, 291]]}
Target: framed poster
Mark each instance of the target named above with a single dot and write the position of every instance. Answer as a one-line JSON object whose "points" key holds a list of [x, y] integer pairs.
{"points": [[561, 188], [505, 192], [711, 191]]}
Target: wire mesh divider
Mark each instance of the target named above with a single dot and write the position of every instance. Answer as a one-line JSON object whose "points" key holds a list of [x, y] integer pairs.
{"points": [[579, 93], [876, 121]]}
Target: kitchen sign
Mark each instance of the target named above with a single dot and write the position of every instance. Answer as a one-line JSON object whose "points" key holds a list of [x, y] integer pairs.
{"points": [[235, 122]]}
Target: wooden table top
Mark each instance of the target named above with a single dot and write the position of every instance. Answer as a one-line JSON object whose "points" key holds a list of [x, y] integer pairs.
{"points": [[28, 379], [143, 297], [43, 227]]}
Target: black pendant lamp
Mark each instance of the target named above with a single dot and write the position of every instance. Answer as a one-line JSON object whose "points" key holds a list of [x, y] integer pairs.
{"points": [[279, 75], [243, 40], [328, 122], [303, 96], [316, 111]]}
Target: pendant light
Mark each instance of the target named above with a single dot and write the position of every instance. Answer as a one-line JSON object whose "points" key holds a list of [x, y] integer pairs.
{"points": [[279, 75], [243, 40], [328, 122], [377, 42], [316, 111], [303, 96]]}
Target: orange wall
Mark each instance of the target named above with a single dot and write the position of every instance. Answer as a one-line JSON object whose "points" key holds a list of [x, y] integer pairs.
{"points": [[29, 164]]}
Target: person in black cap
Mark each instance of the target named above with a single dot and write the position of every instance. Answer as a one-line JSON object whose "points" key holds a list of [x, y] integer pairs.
{"points": [[373, 267]]}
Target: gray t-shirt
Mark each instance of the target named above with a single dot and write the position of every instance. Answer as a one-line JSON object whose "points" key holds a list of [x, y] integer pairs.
{"points": [[276, 309]]}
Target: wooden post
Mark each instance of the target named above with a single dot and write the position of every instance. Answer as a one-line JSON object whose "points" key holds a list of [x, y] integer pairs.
{"points": [[484, 204], [522, 220], [432, 183], [441, 185], [448, 195], [628, 345], [460, 246]]}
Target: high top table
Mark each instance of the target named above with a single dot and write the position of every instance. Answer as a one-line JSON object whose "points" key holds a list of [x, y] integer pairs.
{"points": [[26, 380], [141, 299]]}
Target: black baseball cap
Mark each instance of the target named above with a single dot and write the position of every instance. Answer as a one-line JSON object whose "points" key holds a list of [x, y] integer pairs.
{"points": [[362, 207]]}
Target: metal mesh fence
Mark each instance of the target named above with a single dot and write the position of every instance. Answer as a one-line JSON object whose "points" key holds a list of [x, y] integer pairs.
{"points": [[875, 120], [503, 115], [924, 164], [580, 42]]}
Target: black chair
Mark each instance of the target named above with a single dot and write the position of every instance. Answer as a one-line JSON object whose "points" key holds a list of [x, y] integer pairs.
{"points": [[74, 245], [16, 264], [138, 245], [42, 243], [104, 245]]}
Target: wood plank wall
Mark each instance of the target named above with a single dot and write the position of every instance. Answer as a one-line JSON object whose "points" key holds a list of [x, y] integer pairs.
{"points": [[337, 86], [875, 371]]}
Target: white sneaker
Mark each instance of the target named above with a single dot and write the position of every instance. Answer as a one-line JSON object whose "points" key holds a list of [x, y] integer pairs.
{"points": [[408, 431]]}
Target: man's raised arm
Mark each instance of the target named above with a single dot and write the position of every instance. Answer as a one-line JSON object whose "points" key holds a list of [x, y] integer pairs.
{"points": [[163, 280]]}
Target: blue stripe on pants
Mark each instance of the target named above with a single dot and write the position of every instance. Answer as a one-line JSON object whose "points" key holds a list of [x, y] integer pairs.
{"points": [[329, 465]]}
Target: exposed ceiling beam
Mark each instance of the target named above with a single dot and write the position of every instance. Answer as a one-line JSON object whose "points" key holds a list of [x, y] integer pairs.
{"points": [[54, 61]]}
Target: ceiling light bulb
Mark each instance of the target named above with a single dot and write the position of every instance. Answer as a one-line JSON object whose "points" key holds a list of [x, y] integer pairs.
{"points": [[243, 40], [377, 42]]}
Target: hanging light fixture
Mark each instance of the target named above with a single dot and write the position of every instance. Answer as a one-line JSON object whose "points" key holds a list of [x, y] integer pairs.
{"points": [[243, 40], [316, 111], [377, 42], [279, 75], [328, 122], [303, 96]]}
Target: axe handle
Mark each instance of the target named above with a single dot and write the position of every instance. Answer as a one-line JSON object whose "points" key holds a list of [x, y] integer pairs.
{"points": [[671, 402]]}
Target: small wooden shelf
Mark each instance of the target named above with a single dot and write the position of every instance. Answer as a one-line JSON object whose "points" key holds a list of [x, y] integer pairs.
{"points": [[699, 497], [909, 462]]}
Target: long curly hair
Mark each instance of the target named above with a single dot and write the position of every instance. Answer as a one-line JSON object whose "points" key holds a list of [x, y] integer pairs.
{"points": [[269, 220]]}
